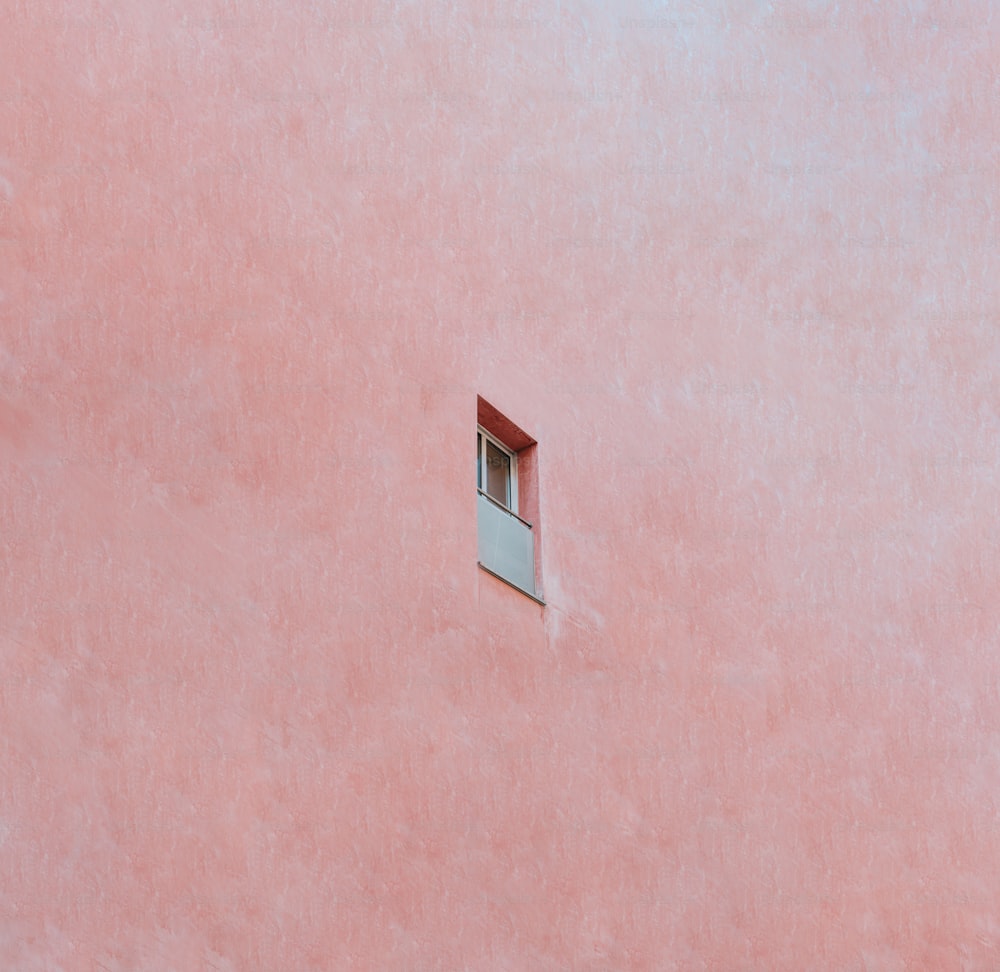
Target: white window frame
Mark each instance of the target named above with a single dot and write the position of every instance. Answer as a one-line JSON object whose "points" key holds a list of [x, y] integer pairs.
{"points": [[481, 460]]}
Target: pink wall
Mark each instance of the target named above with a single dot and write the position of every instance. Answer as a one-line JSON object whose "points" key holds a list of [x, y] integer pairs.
{"points": [[738, 274]]}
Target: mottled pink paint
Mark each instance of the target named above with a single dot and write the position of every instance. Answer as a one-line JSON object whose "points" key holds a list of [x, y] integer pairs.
{"points": [[734, 266]]}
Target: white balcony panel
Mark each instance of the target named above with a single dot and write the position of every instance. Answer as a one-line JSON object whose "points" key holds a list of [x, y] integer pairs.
{"points": [[506, 545]]}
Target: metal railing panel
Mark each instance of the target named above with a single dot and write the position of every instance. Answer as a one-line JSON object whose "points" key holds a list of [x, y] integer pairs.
{"points": [[506, 545]]}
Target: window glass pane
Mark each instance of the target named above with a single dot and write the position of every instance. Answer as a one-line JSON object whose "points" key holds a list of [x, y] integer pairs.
{"points": [[479, 460], [497, 474]]}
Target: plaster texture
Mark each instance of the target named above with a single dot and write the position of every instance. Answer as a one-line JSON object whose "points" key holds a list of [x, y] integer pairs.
{"points": [[734, 267]]}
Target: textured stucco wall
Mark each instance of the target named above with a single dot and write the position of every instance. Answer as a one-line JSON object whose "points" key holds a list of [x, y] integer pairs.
{"points": [[736, 267]]}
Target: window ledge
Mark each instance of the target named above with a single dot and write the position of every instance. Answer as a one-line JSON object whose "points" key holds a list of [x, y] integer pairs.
{"points": [[520, 590]]}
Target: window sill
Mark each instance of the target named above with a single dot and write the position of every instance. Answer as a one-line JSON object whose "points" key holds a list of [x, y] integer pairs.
{"points": [[520, 590]]}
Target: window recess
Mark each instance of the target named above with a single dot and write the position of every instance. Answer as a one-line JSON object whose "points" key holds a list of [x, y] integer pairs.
{"points": [[507, 499]]}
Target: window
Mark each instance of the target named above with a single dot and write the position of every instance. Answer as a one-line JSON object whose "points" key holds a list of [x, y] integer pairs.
{"points": [[508, 501], [497, 471]]}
